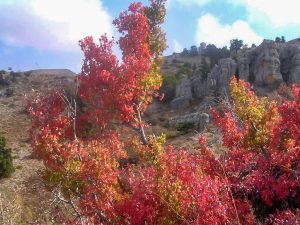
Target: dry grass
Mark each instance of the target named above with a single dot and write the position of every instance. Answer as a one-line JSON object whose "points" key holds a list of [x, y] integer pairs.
{"points": [[23, 197]]}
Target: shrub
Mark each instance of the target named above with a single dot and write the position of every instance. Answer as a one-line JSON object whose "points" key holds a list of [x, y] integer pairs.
{"points": [[6, 161], [185, 69], [168, 87], [263, 142], [184, 127]]}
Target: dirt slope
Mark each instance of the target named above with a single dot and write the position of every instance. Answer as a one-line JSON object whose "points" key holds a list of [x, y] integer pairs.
{"points": [[24, 193]]}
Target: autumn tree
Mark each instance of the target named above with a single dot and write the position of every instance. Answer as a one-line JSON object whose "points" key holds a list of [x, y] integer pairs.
{"points": [[85, 135], [75, 134], [262, 162]]}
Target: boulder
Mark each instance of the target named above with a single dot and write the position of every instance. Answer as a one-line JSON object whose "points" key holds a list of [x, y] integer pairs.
{"points": [[198, 120], [266, 65], [183, 95], [200, 87], [222, 73]]}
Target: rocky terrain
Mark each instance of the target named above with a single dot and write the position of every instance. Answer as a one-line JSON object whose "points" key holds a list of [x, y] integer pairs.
{"points": [[265, 67]]}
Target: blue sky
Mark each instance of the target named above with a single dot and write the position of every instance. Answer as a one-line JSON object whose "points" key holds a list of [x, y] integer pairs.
{"points": [[44, 33]]}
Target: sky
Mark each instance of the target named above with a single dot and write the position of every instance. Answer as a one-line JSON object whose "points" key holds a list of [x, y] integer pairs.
{"points": [[41, 34]]}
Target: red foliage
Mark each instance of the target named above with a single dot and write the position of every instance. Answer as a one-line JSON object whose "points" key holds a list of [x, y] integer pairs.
{"points": [[82, 146], [116, 91], [262, 161]]}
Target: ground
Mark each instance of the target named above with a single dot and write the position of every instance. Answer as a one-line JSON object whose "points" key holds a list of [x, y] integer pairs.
{"points": [[24, 193]]}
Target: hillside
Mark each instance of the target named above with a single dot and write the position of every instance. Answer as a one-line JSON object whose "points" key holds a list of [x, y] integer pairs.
{"points": [[24, 193]]}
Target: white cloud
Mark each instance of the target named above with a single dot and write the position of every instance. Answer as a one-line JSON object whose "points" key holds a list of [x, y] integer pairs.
{"points": [[52, 25], [210, 30], [187, 3], [177, 46], [279, 13]]}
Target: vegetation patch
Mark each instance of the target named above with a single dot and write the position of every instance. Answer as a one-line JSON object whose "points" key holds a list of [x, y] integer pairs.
{"points": [[6, 160]]}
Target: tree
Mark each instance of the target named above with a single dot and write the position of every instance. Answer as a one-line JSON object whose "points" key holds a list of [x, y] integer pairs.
{"points": [[194, 51], [224, 52], [204, 68], [280, 39], [84, 139], [202, 47], [277, 39], [235, 44], [185, 52], [75, 135], [212, 52]]}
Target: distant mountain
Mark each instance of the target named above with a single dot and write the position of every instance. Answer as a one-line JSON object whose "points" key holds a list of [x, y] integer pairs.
{"points": [[64, 72]]}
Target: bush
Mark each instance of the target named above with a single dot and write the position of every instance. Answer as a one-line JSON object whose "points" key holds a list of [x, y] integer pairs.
{"points": [[168, 87], [184, 127], [262, 163], [6, 164], [186, 69]]}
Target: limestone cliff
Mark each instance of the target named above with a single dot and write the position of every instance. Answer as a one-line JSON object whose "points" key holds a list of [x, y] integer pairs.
{"points": [[266, 65]]}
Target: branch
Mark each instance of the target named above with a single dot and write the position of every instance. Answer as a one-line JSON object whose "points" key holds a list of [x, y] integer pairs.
{"points": [[143, 134]]}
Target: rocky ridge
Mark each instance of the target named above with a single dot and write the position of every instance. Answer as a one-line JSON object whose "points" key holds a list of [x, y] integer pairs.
{"points": [[264, 66]]}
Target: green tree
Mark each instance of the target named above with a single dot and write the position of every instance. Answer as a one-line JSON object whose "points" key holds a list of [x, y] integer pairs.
{"points": [[202, 47], [194, 51], [212, 52], [277, 39], [168, 87], [205, 69], [6, 161], [185, 52], [236, 44]]}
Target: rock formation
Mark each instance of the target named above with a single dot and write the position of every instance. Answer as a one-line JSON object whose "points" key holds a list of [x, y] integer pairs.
{"points": [[267, 65], [183, 93], [198, 120]]}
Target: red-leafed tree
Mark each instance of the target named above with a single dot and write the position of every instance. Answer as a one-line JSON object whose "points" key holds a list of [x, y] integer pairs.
{"points": [[83, 137], [262, 160], [76, 134]]}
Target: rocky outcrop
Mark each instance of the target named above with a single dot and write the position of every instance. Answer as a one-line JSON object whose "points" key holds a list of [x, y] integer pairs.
{"points": [[221, 74], [198, 120], [200, 87], [267, 65], [290, 63], [183, 94]]}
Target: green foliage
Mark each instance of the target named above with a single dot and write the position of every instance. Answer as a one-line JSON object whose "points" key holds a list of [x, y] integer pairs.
{"points": [[280, 40], [185, 52], [204, 68], [168, 87], [214, 53], [169, 81], [184, 127], [186, 69], [194, 50], [6, 164], [173, 134], [236, 44]]}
